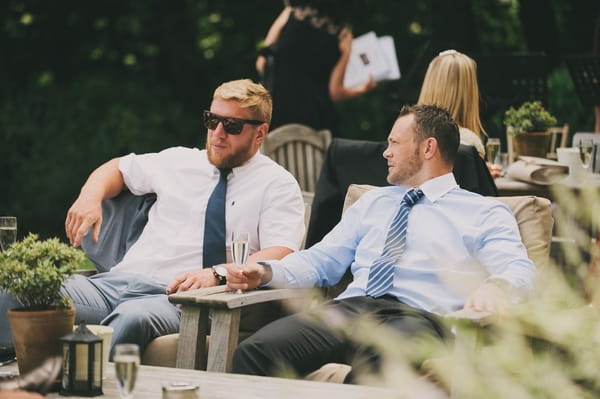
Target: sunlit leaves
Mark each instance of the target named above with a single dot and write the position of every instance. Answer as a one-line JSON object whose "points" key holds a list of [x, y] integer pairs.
{"points": [[33, 271], [26, 19]]}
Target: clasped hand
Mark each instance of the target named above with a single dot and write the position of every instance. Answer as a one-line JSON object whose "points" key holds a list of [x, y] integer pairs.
{"points": [[237, 278]]}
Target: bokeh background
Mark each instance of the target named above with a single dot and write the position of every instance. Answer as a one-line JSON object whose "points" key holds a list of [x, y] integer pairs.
{"points": [[84, 81]]}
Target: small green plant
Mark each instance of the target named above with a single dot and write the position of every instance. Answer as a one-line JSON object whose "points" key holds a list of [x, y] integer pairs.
{"points": [[33, 271], [529, 117]]}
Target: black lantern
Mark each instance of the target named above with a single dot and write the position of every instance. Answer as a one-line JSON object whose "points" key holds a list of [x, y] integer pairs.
{"points": [[82, 363]]}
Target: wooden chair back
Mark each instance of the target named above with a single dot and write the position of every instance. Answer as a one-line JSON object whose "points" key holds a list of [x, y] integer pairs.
{"points": [[559, 136], [300, 149]]}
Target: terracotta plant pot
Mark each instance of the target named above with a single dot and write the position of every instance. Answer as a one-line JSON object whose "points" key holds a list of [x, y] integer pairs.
{"points": [[533, 144], [36, 334]]}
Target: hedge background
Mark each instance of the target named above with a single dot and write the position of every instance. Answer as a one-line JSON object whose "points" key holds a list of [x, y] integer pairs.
{"points": [[82, 82]]}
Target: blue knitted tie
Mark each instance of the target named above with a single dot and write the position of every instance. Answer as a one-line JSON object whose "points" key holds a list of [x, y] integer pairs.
{"points": [[213, 252], [381, 275]]}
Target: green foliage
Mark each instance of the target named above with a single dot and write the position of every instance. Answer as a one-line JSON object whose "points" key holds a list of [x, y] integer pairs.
{"points": [[85, 82], [529, 117], [33, 271]]}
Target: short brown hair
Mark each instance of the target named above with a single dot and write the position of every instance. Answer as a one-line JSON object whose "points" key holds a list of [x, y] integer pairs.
{"points": [[436, 122]]}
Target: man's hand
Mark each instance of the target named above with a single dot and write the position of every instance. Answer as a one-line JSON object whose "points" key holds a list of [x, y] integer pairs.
{"points": [[246, 278], [83, 214], [191, 280], [489, 298]]}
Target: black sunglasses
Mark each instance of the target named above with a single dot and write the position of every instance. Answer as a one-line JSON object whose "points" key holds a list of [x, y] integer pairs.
{"points": [[231, 125]]}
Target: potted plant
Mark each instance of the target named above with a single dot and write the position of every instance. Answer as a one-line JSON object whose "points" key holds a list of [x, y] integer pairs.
{"points": [[529, 126], [33, 272]]}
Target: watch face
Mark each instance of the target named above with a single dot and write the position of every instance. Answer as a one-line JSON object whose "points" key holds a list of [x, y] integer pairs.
{"points": [[221, 270]]}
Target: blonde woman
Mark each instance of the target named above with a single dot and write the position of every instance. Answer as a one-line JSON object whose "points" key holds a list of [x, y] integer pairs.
{"points": [[451, 83]]}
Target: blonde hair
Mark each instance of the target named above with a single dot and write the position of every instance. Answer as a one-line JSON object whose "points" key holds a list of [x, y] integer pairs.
{"points": [[451, 83], [250, 95]]}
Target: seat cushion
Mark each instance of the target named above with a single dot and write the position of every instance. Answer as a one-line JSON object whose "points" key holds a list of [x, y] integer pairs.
{"points": [[534, 217], [161, 351]]}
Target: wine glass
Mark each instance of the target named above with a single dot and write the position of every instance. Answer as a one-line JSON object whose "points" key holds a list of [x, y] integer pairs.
{"points": [[586, 147], [492, 149], [239, 249], [8, 232], [127, 360], [502, 163]]}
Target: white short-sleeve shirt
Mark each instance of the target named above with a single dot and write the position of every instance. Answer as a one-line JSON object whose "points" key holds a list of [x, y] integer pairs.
{"points": [[263, 199]]}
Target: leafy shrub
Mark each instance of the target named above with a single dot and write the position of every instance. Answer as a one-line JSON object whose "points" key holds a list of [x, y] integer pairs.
{"points": [[529, 117], [33, 271]]}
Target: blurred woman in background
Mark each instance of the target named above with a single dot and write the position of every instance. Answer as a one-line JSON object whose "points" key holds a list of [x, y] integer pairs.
{"points": [[304, 61], [451, 83]]}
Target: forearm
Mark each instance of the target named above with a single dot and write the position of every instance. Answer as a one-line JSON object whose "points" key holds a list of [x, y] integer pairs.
{"points": [[337, 91], [104, 182], [86, 211], [273, 35], [274, 253], [279, 23]]}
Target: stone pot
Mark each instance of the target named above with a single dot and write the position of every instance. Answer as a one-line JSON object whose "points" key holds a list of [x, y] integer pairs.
{"points": [[36, 334], [533, 144]]}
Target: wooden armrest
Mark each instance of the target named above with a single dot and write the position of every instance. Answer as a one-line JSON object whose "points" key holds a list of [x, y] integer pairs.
{"points": [[217, 297]]}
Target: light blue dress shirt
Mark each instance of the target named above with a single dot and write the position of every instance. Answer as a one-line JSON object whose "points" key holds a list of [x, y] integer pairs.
{"points": [[456, 240]]}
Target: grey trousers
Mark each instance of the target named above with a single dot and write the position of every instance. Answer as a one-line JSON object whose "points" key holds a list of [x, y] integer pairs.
{"points": [[136, 307]]}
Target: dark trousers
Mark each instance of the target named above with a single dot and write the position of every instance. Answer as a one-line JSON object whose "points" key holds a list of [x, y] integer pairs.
{"points": [[308, 340]]}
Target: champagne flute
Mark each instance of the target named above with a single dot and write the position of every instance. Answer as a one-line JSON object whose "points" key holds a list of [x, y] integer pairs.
{"points": [[8, 232], [492, 149], [586, 147], [127, 360], [239, 249]]}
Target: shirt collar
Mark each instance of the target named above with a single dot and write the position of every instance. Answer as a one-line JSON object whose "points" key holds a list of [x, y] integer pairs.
{"points": [[438, 186]]}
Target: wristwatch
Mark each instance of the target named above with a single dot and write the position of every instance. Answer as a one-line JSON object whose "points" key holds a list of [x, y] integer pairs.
{"points": [[220, 273]]}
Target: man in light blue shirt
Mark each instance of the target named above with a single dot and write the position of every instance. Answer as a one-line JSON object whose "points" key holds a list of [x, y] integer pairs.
{"points": [[460, 250]]}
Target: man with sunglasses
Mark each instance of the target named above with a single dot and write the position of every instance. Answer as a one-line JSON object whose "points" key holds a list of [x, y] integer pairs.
{"points": [[261, 198]]}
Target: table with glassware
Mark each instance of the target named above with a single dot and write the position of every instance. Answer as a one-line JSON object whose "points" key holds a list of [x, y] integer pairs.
{"points": [[150, 382]]}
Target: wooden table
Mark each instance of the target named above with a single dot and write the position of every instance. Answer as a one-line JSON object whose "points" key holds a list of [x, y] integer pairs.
{"points": [[235, 386]]}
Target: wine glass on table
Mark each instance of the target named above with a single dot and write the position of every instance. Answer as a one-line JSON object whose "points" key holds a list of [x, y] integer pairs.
{"points": [[492, 149], [127, 360], [586, 147], [8, 232], [240, 246]]}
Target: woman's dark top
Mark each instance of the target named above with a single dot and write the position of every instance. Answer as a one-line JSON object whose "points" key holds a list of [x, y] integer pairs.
{"points": [[304, 56]]}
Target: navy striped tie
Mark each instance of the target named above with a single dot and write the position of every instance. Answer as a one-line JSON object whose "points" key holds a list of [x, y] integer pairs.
{"points": [[213, 249], [381, 275]]}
